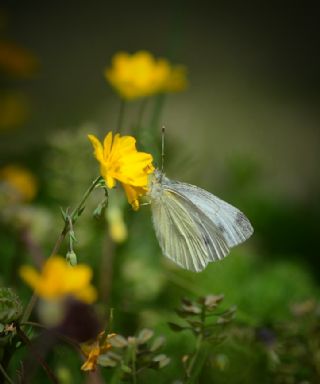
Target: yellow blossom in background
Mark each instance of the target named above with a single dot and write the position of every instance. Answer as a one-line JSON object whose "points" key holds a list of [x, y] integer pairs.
{"points": [[93, 350], [120, 160], [58, 279], [20, 181], [16, 60], [141, 74], [14, 110], [117, 226]]}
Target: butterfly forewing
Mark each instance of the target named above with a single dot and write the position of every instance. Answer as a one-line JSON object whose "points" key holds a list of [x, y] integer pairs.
{"points": [[232, 223]]}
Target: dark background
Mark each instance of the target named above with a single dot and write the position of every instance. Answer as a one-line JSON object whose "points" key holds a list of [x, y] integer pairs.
{"points": [[246, 129], [253, 70]]}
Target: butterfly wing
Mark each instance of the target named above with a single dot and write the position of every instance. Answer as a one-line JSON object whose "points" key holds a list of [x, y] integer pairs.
{"points": [[185, 234], [232, 224]]}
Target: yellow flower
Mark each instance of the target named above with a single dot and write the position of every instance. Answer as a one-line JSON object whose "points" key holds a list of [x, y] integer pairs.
{"points": [[58, 279], [140, 75], [21, 181], [16, 60], [120, 160], [14, 110], [117, 226], [92, 351]]}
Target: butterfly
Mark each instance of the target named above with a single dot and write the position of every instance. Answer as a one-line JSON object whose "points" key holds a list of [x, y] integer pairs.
{"points": [[193, 226]]}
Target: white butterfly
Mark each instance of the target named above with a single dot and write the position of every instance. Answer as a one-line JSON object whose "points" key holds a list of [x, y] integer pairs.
{"points": [[193, 226]]}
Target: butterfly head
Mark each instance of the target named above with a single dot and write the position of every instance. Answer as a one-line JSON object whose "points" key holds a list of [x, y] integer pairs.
{"points": [[155, 187]]}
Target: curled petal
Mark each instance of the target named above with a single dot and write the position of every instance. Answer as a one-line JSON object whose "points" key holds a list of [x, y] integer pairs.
{"points": [[98, 149]]}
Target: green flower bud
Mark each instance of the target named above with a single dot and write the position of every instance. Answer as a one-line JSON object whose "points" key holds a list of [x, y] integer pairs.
{"points": [[71, 258], [10, 306]]}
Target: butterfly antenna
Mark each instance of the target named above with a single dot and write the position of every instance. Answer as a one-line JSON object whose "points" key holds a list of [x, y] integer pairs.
{"points": [[163, 131]]}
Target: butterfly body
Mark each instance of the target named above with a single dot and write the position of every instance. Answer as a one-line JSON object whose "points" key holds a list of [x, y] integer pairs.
{"points": [[193, 226]]}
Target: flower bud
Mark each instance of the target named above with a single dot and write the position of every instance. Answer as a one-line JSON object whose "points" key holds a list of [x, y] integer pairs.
{"points": [[71, 258]]}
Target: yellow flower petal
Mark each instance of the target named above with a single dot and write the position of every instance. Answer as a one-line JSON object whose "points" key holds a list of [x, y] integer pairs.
{"points": [[98, 149], [30, 276], [93, 350], [133, 195], [58, 279], [141, 75], [107, 143], [22, 182], [122, 162]]}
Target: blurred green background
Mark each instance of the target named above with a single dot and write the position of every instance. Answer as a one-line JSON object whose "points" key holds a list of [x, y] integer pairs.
{"points": [[246, 129]]}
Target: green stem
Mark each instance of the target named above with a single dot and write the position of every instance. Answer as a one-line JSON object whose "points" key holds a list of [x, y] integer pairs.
{"points": [[33, 324], [74, 215], [5, 375], [194, 357], [116, 377], [41, 361], [138, 124], [78, 210], [191, 372], [110, 322], [134, 370], [121, 115], [67, 339], [29, 308]]}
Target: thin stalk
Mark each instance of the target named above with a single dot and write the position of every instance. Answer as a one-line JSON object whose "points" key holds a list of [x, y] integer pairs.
{"points": [[133, 365], [122, 108], [195, 356], [79, 208], [110, 323], [199, 343], [136, 129], [74, 215], [116, 377], [141, 111], [42, 362], [5, 375], [29, 308], [67, 339]]}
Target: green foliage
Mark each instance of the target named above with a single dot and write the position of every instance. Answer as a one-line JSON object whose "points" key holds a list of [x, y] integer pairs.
{"points": [[131, 356], [10, 306]]}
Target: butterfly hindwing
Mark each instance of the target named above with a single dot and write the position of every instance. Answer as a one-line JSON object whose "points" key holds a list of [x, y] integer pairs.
{"points": [[185, 234]]}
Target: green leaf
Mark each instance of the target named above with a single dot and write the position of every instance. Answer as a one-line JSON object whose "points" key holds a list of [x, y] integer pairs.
{"points": [[162, 360], [125, 368], [144, 336], [175, 327], [64, 214], [105, 361], [118, 341], [212, 301], [157, 343]]}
